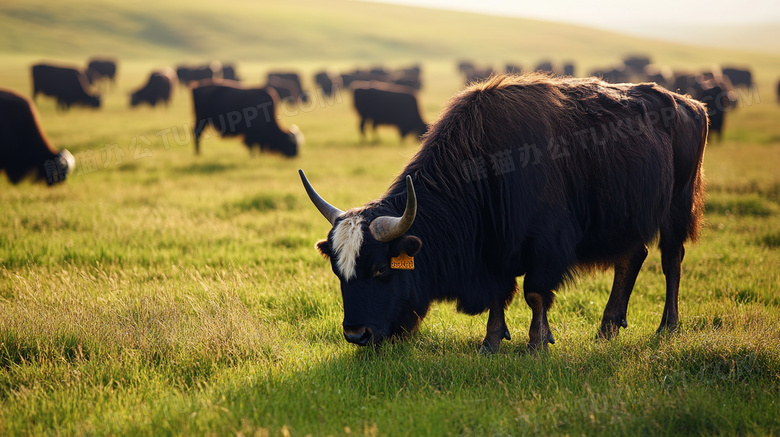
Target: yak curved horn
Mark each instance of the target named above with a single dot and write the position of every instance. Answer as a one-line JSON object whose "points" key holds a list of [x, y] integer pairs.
{"points": [[329, 211], [386, 228]]}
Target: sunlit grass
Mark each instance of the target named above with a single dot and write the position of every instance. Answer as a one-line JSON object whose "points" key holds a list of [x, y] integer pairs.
{"points": [[178, 294]]}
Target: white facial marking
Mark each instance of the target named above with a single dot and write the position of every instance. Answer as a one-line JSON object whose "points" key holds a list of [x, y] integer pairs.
{"points": [[347, 239]]}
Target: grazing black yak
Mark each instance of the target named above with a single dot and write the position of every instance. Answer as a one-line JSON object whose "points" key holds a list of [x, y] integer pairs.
{"points": [[530, 176], [24, 148], [158, 88], [67, 85], [247, 112], [98, 68], [383, 103]]}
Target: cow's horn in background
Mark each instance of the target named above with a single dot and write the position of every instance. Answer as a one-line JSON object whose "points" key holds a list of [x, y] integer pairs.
{"points": [[387, 228], [329, 211]]}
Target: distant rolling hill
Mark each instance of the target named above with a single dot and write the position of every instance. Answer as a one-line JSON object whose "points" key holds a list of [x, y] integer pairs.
{"points": [[295, 30]]}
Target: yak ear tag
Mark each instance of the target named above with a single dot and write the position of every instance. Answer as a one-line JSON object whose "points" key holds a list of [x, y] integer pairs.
{"points": [[402, 262]]}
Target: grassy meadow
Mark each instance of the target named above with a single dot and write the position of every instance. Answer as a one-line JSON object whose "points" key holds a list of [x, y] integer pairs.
{"points": [[161, 293]]}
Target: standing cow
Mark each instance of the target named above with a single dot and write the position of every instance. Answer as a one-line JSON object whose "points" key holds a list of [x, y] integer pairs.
{"points": [[530, 176], [247, 112], [739, 76], [387, 104], [189, 74], [24, 148], [328, 82], [158, 89], [67, 85], [288, 84], [98, 68]]}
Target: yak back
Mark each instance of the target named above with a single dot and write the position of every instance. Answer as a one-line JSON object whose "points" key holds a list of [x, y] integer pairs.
{"points": [[522, 157]]}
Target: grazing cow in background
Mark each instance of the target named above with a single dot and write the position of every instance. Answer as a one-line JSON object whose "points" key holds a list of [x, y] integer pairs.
{"points": [[568, 69], [24, 148], [287, 90], [188, 75], [474, 73], [328, 82], [247, 112], [291, 82], [158, 89], [739, 77], [778, 91], [99, 68], [545, 67], [530, 176], [660, 74], [613, 75], [636, 63], [719, 98], [67, 85], [510, 68], [409, 77], [388, 104], [229, 72]]}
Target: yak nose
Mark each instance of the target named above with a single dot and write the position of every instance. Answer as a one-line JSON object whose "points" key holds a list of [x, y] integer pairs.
{"points": [[360, 335]]}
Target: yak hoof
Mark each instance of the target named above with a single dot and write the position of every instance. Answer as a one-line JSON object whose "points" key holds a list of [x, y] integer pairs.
{"points": [[486, 349]]}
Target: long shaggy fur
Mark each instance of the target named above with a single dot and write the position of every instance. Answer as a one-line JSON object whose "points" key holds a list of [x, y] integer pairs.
{"points": [[595, 170]]}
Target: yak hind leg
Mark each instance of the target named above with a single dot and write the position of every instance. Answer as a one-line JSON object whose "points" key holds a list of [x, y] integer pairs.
{"points": [[496, 324], [626, 271], [671, 263]]}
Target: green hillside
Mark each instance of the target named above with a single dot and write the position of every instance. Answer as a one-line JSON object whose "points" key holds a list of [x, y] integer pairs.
{"points": [[312, 30]]}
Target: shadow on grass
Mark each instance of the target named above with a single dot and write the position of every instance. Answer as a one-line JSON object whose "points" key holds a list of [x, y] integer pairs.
{"points": [[206, 168]]}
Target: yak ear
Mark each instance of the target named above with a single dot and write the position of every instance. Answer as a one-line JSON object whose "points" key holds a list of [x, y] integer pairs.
{"points": [[323, 247], [409, 244]]}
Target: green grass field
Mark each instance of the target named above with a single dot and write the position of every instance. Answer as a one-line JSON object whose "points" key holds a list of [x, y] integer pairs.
{"points": [[161, 293]]}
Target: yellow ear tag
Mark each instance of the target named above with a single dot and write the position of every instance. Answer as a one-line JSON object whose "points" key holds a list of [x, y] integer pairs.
{"points": [[402, 262]]}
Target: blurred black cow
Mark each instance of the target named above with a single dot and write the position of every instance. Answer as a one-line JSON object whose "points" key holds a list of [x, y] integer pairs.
{"points": [[99, 68], [474, 73], [568, 69], [67, 85], [739, 77], [328, 82], [247, 112], [229, 72], [636, 63], [188, 74], [388, 104], [287, 85], [719, 98], [158, 89], [511, 68], [24, 148], [778, 91], [546, 67]]}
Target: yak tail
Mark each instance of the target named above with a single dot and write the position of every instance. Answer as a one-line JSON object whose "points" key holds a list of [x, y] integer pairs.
{"points": [[689, 142]]}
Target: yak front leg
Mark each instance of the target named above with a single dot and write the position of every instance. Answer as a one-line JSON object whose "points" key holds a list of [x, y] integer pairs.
{"points": [[539, 335], [496, 329], [626, 271]]}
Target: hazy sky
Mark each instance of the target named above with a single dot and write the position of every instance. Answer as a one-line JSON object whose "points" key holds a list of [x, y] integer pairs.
{"points": [[620, 14]]}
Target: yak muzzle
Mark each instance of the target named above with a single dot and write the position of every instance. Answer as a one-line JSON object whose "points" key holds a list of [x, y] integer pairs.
{"points": [[359, 335]]}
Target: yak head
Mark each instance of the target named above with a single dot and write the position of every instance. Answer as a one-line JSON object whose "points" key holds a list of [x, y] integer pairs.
{"points": [[290, 142], [57, 169], [372, 256]]}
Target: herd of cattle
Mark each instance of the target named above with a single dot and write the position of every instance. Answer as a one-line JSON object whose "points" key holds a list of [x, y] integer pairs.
{"points": [[715, 87], [381, 96]]}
